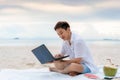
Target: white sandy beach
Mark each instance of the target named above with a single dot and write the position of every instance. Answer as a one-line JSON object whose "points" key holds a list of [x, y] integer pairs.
{"points": [[21, 57]]}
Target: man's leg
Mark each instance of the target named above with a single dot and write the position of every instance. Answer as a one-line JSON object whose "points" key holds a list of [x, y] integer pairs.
{"points": [[73, 67], [60, 64]]}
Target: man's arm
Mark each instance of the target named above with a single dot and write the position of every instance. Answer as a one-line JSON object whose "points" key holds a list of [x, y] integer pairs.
{"points": [[58, 55], [75, 60]]}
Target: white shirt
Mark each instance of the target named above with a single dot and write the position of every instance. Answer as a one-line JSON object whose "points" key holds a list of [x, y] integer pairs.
{"points": [[78, 49]]}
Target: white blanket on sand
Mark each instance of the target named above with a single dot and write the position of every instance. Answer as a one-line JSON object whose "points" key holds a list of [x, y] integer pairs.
{"points": [[42, 74]]}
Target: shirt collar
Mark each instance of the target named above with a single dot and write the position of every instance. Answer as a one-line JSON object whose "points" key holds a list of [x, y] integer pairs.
{"points": [[72, 37]]}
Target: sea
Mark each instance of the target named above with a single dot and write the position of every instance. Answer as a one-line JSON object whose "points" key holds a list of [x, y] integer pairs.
{"points": [[53, 42], [29, 42]]}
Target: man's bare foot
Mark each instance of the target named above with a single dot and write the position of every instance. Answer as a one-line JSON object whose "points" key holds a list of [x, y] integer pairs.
{"points": [[52, 69], [73, 73], [78, 60]]}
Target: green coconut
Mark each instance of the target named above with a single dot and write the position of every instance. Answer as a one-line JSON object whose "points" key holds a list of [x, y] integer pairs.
{"points": [[110, 71]]}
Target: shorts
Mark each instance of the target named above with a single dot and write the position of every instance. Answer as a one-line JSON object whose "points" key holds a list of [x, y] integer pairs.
{"points": [[86, 69]]}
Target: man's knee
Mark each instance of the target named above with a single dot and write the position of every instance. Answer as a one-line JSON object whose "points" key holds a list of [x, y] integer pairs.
{"points": [[59, 65], [76, 67], [72, 65]]}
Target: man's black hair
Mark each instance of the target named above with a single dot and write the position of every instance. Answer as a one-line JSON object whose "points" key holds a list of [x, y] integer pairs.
{"points": [[62, 24]]}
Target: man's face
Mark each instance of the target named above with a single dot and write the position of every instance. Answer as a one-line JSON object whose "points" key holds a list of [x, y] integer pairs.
{"points": [[64, 34]]}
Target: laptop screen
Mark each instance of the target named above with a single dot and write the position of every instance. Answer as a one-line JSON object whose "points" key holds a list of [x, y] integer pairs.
{"points": [[43, 54]]}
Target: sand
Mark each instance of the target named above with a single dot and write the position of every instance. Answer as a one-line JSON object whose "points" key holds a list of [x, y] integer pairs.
{"points": [[21, 57]]}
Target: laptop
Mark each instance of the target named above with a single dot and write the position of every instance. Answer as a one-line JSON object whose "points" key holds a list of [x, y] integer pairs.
{"points": [[44, 55]]}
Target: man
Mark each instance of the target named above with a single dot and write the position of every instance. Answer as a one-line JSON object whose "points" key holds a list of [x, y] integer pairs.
{"points": [[80, 58]]}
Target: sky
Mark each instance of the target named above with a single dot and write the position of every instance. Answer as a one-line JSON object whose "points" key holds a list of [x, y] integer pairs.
{"points": [[35, 19]]}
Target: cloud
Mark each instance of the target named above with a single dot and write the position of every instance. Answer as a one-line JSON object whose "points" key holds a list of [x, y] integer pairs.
{"points": [[11, 31], [108, 9], [63, 8], [110, 14], [108, 4], [12, 11], [97, 29], [57, 8], [53, 6], [31, 31], [37, 17]]}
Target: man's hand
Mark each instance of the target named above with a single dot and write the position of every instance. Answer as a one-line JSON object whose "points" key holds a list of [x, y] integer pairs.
{"points": [[75, 60], [50, 62], [60, 64], [58, 55]]}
